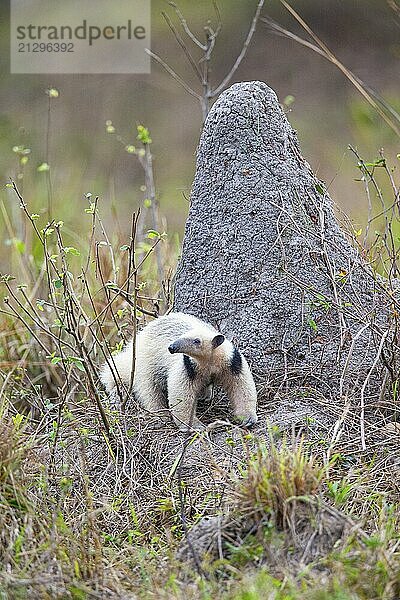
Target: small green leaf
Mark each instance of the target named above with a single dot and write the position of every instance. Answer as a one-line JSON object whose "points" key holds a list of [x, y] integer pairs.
{"points": [[57, 283], [42, 168], [151, 234], [21, 150], [52, 93], [17, 420], [110, 127], [288, 101], [71, 250], [379, 162], [77, 362], [6, 277], [143, 135], [19, 245], [312, 324], [147, 202]]}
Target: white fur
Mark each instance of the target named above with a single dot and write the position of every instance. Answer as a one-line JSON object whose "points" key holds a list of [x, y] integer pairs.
{"points": [[160, 375]]}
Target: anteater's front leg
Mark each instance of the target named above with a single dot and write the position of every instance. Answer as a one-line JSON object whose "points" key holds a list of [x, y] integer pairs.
{"points": [[238, 383], [183, 393]]}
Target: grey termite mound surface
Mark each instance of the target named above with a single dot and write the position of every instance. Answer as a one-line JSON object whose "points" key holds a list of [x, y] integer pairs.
{"points": [[265, 260]]}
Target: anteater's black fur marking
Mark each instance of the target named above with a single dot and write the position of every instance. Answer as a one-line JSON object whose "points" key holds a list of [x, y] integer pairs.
{"points": [[190, 367], [236, 362]]}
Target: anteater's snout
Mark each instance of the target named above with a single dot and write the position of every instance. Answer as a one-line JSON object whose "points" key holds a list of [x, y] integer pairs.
{"points": [[173, 348]]}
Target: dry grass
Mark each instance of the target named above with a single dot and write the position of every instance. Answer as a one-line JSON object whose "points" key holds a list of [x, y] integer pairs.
{"points": [[275, 477]]}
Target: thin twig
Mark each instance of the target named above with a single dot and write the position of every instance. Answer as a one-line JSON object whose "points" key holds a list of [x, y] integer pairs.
{"points": [[279, 30], [363, 387], [243, 51], [182, 44], [132, 256], [185, 26], [149, 175], [354, 80], [173, 74]]}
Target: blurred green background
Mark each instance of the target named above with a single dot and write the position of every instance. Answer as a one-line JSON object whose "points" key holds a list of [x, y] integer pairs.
{"points": [[327, 112]]}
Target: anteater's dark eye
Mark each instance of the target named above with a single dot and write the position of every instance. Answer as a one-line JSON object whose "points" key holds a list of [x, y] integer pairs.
{"points": [[196, 341]]}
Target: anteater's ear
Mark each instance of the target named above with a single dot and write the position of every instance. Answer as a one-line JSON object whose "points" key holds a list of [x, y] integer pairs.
{"points": [[218, 340]]}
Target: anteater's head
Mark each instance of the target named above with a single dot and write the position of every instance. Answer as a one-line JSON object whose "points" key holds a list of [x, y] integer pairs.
{"points": [[200, 345]]}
